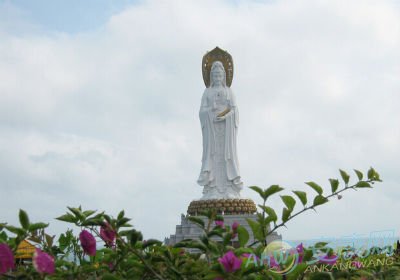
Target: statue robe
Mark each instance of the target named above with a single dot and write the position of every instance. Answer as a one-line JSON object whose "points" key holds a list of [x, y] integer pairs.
{"points": [[207, 117]]}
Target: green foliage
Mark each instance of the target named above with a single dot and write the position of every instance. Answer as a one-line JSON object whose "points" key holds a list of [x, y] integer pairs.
{"points": [[23, 219], [129, 256], [285, 214], [345, 176], [243, 236], [265, 194], [319, 200], [289, 201], [363, 184], [302, 196], [359, 174], [315, 186], [334, 184], [272, 217]]}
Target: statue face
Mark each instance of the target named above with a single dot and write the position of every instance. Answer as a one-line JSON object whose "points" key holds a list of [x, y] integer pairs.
{"points": [[217, 76]]}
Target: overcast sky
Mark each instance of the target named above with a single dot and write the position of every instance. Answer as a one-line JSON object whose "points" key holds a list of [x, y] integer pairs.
{"points": [[99, 106]]}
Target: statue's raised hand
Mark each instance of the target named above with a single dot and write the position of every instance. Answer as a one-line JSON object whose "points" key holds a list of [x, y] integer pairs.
{"points": [[219, 119]]}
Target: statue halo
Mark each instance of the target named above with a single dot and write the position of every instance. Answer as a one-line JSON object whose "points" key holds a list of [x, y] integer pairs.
{"points": [[210, 57]]}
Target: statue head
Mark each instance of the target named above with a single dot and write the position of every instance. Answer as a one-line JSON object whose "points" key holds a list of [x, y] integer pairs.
{"points": [[217, 74]]}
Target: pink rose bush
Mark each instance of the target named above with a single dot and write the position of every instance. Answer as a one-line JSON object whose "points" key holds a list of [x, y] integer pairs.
{"points": [[235, 226], [230, 262], [88, 242], [107, 234], [6, 259], [357, 264], [331, 260], [300, 252], [43, 262], [219, 224]]}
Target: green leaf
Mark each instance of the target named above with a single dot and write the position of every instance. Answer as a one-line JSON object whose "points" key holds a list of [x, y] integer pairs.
{"points": [[67, 218], [135, 236], [121, 215], [272, 190], [345, 176], [151, 242], [3, 237], [77, 212], [107, 218], [197, 245], [196, 220], [334, 184], [302, 196], [36, 226], [319, 199], [226, 240], [23, 219], [213, 247], [315, 186], [88, 213], [289, 201], [363, 184], [122, 222], [285, 214], [256, 229], [271, 213], [308, 254], [217, 231], [373, 175], [109, 276], [258, 190], [243, 235], [92, 222], [359, 174], [49, 240], [320, 244], [297, 271], [15, 230]]}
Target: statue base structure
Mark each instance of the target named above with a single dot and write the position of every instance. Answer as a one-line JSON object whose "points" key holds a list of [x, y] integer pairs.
{"points": [[232, 210]]}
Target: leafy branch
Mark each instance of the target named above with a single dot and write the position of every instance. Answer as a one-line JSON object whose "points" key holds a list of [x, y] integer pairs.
{"points": [[260, 227]]}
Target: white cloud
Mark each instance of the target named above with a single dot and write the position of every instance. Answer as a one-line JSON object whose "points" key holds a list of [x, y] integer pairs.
{"points": [[109, 119]]}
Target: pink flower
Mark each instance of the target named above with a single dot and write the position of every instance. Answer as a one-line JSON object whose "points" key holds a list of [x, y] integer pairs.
{"points": [[107, 234], [88, 242], [235, 226], [43, 262], [6, 258], [219, 223], [331, 260], [273, 263], [300, 251], [230, 262], [357, 264]]}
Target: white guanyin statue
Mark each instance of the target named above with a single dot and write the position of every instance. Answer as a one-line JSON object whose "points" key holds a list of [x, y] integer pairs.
{"points": [[219, 118]]}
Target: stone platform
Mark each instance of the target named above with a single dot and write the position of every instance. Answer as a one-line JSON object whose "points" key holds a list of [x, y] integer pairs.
{"points": [[233, 210]]}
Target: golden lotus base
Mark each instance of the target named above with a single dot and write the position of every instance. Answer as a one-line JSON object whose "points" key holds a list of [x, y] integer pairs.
{"points": [[223, 206]]}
